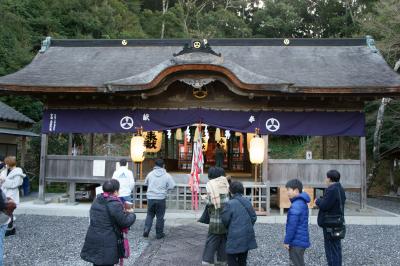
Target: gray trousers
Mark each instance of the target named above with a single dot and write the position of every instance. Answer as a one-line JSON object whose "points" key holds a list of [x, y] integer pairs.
{"points": [[296, 256], [215, 244]]}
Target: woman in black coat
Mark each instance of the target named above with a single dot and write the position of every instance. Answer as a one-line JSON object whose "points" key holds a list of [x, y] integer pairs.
{"points": [[239, 217], [106, 213], [332, 203]]}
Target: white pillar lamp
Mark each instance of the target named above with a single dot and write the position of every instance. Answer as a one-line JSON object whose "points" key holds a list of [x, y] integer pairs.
{"points": [[137, 150], [257, 147]]}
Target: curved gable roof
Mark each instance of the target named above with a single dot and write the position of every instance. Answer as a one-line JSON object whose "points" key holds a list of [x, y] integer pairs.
{"points": [[337, 65]]}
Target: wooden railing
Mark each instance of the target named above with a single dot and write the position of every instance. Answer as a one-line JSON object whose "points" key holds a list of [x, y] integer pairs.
{"points": [[180, 198], [312, 172]]}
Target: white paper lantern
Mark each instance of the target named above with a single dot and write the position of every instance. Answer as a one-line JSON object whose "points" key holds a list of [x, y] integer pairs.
{"points": [[196, 134], [257, 148], [158, 140], [137, 149], [178, 134], [217, 135]]}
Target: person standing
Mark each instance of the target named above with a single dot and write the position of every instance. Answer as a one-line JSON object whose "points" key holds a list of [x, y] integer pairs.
{"points": [[2, 167], [219, 156], [239, 217], [332, 203], [297, 237], [4, 220], [107, 216], [13, 179], [126, 181], [217, 195], [10, 186], [158, 183], [3, 170]]}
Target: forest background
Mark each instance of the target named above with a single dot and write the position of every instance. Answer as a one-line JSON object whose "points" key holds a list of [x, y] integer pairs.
{"points": [[25, 23]]}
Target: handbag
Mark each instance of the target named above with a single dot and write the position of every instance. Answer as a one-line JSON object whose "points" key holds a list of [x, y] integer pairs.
{"points": [[121, 247], [205, 216], [337, 233], [335, 223]]}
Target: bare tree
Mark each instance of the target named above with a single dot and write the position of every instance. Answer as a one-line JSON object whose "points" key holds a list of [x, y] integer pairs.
{"points": [[377, 142], [191, 8], [164, 10]]}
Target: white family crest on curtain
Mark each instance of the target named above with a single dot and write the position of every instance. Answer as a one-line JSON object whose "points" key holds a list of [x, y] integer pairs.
{"points": [[197, 169]]}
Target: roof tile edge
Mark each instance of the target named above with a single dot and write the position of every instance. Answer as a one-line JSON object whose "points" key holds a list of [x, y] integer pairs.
{"points": [[212, 42]]}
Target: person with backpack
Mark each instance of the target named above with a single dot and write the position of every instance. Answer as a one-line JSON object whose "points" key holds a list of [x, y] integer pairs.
{"points": [[217, 195], [332, 205], [239, 217], [105, 240]]}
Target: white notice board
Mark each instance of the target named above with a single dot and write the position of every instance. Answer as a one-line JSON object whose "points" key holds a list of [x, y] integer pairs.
{"points": [[99, 167]]}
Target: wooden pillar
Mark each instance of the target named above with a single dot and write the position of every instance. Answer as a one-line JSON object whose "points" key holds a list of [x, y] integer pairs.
{"points": [[363, 172], [109, 144], [70, 136], [265, 178], [71, 193], [23, 151], [166, 152], [324, 147], [245, 155], [43, 155], [340, 148], [91, 143], [265, 163]]}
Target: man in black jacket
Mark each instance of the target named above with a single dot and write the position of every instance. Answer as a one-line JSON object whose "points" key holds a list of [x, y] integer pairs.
{"points": [[330, 204]]}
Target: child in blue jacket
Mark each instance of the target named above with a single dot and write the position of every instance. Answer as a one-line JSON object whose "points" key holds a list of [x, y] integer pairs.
{"points": [[297, 236]]}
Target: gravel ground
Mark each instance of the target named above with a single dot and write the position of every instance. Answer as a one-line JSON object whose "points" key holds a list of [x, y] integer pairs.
{"points": [[45, 240], [392, 206], [363, 245], [50, 240]]}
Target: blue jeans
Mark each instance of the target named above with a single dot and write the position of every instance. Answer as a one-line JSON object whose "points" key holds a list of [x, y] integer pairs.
{"points": [[333, 250], [3, 229]]}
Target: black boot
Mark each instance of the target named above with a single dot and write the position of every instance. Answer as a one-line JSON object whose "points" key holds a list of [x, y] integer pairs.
{"points": [[10, 231]]}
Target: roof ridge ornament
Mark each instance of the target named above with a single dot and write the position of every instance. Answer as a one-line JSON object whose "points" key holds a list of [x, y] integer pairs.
{"points": [[371, 43], [45, 44], [197, 46]]}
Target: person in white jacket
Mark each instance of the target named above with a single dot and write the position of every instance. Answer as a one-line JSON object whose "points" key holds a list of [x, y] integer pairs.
{"points": [[13, 178], [126, 181]]}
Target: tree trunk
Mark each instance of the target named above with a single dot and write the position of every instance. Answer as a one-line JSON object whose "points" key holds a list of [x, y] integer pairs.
{"points": [[391, 177], [397, 66], [377, 142], [164, 10]]}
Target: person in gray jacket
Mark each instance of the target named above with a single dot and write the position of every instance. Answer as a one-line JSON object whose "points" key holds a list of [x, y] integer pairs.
{"points": [[158, 183]]}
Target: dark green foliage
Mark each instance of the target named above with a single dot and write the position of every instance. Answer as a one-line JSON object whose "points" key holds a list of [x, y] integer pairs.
{"points": [[24, 23]]}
